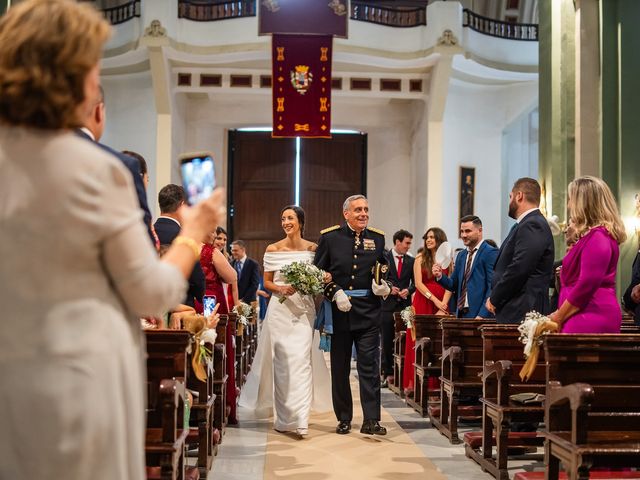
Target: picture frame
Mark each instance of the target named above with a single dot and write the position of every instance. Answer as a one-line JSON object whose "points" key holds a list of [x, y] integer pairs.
{"points": [[467, 192]]}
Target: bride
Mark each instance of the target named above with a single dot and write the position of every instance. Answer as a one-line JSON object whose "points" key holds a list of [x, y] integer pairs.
{"points": [[288, 371]]}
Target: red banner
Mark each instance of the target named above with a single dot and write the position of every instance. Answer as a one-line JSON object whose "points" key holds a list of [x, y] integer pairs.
{"points": [[301, 84]]}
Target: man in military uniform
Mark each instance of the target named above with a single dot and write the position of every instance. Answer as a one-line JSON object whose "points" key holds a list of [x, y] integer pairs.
{"points": [[354, 254]]}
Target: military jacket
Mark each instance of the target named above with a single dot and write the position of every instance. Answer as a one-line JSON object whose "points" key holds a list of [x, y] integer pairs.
{"points": [[350, 260]]}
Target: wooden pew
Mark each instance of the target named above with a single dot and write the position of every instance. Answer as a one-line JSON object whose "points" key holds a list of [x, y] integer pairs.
{"points": [[241, 355], [166, 373], [502, 361], [220, 377], [427, 364], [203, 431], [398, 355], [592, 406], [461, 364]]}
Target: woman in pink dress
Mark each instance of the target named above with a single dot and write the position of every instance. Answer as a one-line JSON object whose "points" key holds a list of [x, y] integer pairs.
{"points": [[588, 302], [430, 297], [217, 270]]}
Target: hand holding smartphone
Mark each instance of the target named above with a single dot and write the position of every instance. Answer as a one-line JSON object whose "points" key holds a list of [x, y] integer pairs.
{"points": [[208, 304], [198, 176]]}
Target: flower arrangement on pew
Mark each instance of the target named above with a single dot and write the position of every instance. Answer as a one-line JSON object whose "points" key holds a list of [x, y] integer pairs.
{"points": [[304, 277], [204, 331], [532, 328], [245, 312], [408, 315]]}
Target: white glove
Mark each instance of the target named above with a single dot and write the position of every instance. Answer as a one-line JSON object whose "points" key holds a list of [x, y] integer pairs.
{"points": [[381, 290], [342, 301]]}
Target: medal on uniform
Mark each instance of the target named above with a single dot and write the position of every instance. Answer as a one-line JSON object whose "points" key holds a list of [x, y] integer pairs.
{"points": [[369, 244], [357, 240]]}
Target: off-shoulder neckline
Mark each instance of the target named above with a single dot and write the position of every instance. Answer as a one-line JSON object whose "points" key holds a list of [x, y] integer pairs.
{"points": [[291, 251]]}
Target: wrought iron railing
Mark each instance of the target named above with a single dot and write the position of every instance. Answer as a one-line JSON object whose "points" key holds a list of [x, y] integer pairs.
{"points": [[121, 13], [498, 28], [209, 11], [391, 16]]}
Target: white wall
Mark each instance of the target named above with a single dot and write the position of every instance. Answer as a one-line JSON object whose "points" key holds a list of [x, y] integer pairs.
{"points": [[474, 120], [131, 120]]}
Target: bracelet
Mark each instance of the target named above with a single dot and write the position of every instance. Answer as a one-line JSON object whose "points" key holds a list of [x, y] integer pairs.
{"points": [[429, 295], [189, 242]]}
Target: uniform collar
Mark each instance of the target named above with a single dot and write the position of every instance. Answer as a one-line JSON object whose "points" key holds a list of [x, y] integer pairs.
{"points": [[352, 232]]}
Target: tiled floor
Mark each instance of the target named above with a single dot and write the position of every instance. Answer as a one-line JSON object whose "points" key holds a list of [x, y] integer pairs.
{"points": [[242, 454]]}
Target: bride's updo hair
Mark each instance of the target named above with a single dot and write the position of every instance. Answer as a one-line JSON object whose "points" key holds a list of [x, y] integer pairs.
{"points": [[299, 213]]}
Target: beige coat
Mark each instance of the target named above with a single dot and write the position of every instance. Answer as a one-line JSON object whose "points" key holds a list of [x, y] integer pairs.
{"points": [[77, 270]]}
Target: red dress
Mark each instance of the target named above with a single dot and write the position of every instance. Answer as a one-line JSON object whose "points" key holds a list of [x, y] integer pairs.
{"points": [[422, 306], [213, 286]]}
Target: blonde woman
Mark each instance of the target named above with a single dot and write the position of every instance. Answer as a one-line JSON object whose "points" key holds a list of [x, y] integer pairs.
{"points": [[588, 302]]}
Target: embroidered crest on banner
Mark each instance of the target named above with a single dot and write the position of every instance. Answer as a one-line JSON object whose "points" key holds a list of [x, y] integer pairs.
{"points": [[301, 78]]}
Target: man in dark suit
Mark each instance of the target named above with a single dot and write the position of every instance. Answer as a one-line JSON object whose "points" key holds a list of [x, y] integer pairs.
{"points": [[350, 253], [92, 130], [473, 272], [632, 295], [525, 262], [248, 272], [402, 286], [170, 198]]}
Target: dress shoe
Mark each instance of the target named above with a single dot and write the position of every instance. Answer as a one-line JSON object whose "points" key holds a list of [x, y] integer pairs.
{"points": [[343, 427], [384, 384], [372, 427]]}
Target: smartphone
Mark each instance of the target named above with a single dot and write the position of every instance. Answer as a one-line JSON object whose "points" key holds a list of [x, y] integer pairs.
{"points": [[208, 304], [198, 176]]}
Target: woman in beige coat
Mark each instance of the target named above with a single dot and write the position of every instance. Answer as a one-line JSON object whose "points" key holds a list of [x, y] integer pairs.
{"points": [[77, 270]]}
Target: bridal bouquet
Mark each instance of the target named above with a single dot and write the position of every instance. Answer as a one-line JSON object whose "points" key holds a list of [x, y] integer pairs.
{"points": [[531, 330], [408, 316], [305, 277]]}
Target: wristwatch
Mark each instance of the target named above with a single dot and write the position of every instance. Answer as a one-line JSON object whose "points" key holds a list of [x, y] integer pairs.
{"points": [[428, 295]]}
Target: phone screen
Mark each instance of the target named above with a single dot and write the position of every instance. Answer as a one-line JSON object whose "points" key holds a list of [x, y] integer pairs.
{"points": [[198, 177], [208, 304]]}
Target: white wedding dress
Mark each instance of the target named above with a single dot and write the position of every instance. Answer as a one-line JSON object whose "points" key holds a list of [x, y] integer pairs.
{"points": [[289, 376]]}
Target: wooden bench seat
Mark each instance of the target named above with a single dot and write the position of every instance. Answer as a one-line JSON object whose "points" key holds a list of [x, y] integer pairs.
{"points": [[427, 365], [221, 378], [592, 406], [398, 355], [460, 365], [594, 475], [502, 360]]}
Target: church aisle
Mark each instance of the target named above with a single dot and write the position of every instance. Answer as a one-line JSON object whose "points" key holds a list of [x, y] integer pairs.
{"points": [[411, 450]]}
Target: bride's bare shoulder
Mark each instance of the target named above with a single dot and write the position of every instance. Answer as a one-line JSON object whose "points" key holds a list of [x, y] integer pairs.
{"points": [[310, 246], [272, 247]]}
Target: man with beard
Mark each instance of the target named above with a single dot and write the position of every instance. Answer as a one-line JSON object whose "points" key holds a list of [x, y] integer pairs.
{"points": [[525, 262]]}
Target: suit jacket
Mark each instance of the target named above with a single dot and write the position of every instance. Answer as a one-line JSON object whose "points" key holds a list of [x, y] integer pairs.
{"points": [[248, 280], [394, 303], [351, 265], [167, 230], [635, 280], [479, 283], [523, 270], [134, 167]]}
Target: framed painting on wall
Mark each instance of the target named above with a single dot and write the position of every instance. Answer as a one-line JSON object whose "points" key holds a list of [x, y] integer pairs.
{"points": [[467, 191]]}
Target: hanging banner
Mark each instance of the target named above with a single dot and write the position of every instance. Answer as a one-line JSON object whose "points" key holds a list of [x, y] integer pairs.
{"points": [[301, 85]]}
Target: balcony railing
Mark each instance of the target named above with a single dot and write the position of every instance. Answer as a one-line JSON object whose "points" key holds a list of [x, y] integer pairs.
{"points": [[118, 14], [390, 16], [500, 29], [209, 11]]}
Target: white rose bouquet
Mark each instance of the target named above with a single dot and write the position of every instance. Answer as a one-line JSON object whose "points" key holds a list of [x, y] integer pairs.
{"points": [[532, 328], [408, 316], [304, 277], [244, 312]]}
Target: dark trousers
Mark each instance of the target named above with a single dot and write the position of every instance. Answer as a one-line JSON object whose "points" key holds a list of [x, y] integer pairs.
{"points": [[367, 344], [388, 334]]}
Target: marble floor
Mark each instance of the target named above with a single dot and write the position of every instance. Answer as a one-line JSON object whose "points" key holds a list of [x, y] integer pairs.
{"points": [[246, 447]]}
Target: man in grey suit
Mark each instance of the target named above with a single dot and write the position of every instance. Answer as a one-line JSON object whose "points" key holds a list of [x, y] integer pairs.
{"points": [[524, 265]]}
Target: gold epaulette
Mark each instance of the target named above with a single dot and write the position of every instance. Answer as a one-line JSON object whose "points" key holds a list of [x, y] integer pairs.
{"points": [[376, 230], [330, 229]]}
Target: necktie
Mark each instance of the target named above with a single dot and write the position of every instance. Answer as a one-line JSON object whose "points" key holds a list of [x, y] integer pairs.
{"points": [[399, 257], [462, 299], [238, 268]]}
